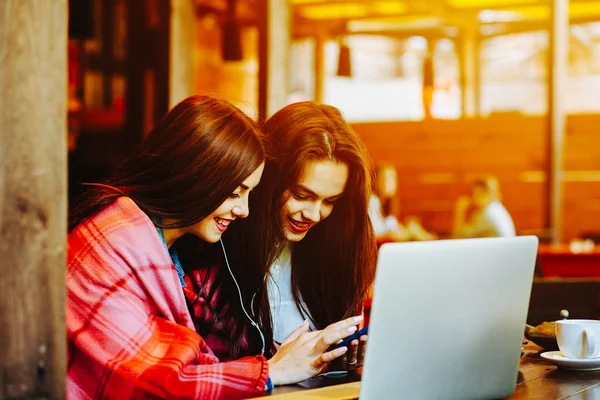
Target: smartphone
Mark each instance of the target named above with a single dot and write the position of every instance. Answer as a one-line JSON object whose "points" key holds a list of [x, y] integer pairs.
{"points": [[346, 342]]}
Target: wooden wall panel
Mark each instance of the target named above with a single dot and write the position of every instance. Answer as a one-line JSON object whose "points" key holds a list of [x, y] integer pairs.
{"points": [[437, 159]]}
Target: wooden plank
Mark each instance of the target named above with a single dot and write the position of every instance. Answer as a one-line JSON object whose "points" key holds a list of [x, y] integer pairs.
{"points": [[447, 154], [273, 43], [557, 74], [319, 66], [181, 47], [537, 379], [33, 198]]}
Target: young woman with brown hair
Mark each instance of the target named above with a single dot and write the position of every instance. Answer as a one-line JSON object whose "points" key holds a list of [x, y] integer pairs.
{"points": [[308, 229], [130, 332]]}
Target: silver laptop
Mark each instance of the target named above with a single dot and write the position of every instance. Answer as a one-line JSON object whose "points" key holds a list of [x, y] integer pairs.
{"points": [[447, 321], [448, 318]]}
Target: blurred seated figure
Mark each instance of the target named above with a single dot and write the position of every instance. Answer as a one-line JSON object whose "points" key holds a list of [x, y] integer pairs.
{"points": [[482, 214], [383, 210]]}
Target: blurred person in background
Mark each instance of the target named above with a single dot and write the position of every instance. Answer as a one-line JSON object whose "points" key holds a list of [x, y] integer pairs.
{"points": [[482, 214], [383, 206]]}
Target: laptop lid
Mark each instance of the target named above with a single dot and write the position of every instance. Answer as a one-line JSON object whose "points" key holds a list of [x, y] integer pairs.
{"points": [[448, 318]]}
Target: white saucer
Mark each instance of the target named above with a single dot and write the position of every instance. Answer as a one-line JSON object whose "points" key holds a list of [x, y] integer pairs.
{"points": [[574, 364]]}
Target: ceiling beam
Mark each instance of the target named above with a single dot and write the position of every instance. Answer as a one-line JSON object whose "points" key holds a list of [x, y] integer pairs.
{"points": [[529, 26], [435, 34]]}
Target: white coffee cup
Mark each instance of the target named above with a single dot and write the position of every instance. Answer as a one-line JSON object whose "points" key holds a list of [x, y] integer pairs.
{"points": [[578, 338]]}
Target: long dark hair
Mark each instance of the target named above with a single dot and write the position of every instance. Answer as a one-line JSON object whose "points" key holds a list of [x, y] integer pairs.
{"points": [[333, 267], [191, 161], [194, 158]]}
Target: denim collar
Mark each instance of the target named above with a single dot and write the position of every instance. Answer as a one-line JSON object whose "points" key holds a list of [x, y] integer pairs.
{"points": [[172, 253]]}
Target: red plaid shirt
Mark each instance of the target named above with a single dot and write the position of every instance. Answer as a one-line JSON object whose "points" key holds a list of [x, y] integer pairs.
{"points": [[202, 292], [129, 331]]}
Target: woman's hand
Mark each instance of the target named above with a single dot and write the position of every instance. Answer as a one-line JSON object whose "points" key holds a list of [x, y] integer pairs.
{"points": [[302, 355], [360, 354], [354, 358]]}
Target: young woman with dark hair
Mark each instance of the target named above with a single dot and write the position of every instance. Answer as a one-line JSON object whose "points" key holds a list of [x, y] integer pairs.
{"points": [[308, 229], [130, 332]]}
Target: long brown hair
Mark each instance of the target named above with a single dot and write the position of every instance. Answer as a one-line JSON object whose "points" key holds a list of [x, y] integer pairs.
{"points": [[334, 265], [191, 161], [194, 158]]}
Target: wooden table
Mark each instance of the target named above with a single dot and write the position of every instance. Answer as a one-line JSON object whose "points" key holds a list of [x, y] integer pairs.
{"points": [[538, 379], [560, 261]]}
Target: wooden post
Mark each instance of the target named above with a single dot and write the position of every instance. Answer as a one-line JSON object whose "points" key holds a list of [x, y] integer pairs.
{"points": [[273, 49], [468, 50], [319, 67], [182, 48], [33, 198], [428, 80], [557, 75]]}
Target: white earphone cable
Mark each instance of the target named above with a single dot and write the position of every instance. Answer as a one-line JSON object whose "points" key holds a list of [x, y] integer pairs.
{"points": [[262, 337]]}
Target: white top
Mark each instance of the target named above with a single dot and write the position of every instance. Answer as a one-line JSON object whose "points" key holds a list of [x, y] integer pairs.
{"points": [[381, 224], [493, 221], [285, 314]]}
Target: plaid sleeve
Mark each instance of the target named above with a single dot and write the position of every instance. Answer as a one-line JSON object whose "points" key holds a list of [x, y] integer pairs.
{"points": [[120, 348]]}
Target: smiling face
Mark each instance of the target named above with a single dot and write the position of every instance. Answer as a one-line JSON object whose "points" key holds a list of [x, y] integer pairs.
{"points": [[312, 198], [235, 206]]}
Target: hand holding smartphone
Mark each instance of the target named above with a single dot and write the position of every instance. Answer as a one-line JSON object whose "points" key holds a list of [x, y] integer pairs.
{"points": [[346, 342]]}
